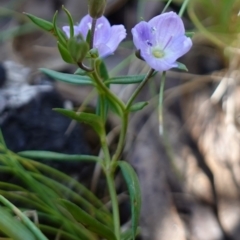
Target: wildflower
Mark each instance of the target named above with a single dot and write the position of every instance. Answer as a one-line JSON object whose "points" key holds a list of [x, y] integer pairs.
{"points": [[106, 37], [161, 41]]}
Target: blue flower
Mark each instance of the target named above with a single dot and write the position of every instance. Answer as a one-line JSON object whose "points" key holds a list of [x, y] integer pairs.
{"points": [[106, 37], [161, 41]]}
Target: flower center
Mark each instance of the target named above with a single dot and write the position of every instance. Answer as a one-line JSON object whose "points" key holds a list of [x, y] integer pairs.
{"points": [[158, 53]]}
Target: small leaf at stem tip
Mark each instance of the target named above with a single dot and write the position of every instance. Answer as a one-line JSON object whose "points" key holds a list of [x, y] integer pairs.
{"points": [[138, 106], [189, 34], [181, 66], [45, 25]]}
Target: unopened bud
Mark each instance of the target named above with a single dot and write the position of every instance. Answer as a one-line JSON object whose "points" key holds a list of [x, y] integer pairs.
{"points": [[96, 8], [78, 48]]}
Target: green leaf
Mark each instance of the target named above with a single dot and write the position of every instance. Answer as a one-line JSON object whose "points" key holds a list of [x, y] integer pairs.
{"points": [[70, 21], [138, 106], [87, 220], [48, 155], [181, 66], [131, 179], [45, 25], [68, 78], [102, 68], [189, 34], [61, 38], [65, 54], [132, 79], [13, 228], [91, 119]]}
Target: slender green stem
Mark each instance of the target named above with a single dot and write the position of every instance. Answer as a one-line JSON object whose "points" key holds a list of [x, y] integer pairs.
{"points": [[94, 21], [102, 87], [183, 7], [166, 6], [109, 171], [121, 138], [126, 113], [114, 201], [160, 106], [139, 88], [108, 167]]}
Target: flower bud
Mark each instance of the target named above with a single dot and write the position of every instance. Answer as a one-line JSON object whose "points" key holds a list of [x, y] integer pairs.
{"points": [[96, 8], [78, 48]]}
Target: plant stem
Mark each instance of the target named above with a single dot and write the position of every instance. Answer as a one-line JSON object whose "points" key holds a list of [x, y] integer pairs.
{"points": [[107, 165], [109, 172], [121, 138], [183, 7], [94, 21], [166, 6], [139, 88], [160, 106], [126, 113], [114, 201]]}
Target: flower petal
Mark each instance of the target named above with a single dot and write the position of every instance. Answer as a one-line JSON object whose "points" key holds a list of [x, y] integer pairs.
{"points": [[166, 26], [177, 48], [85, 25], [104, 50], [158, 64], [142, 35], [102, 31], [118, 33], [66, 30]]}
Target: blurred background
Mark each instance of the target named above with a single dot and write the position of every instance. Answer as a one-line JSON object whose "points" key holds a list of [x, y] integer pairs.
{"points": [[190, 178]]}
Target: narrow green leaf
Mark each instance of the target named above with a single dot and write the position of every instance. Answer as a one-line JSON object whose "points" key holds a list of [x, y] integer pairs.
{"points": [[103, 71], [13, 228], [48, 155], [70, 21], [138, 106], [45, 25], [181, 66], [68, 78], [65, 54], [24, 219], [189, 34], [87, 220], [58, 34], [132, 79], [131, 179], [91, 119]]}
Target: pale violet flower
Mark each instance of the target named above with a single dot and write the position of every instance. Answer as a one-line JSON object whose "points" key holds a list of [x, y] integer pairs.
{"points": [[161, 41], [106, 37]]}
